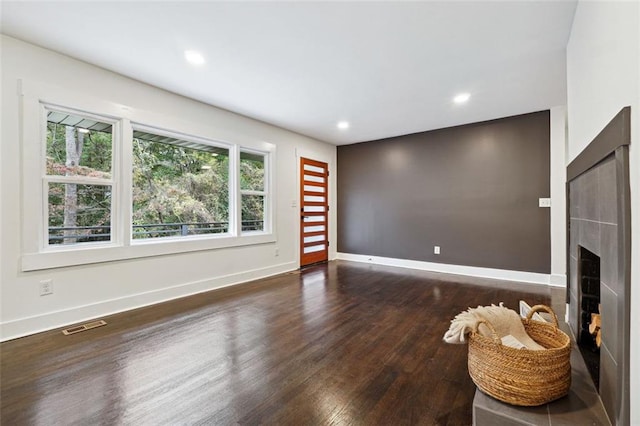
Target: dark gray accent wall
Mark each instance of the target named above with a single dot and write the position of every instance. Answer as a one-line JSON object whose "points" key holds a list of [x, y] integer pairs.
{"points": [[472, 190]]}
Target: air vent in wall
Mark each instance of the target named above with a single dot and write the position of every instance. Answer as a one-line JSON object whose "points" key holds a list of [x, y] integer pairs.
{"points": [[83, 327]]}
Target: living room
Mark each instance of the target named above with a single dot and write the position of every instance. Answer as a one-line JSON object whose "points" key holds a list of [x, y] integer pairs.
{"points": [[468, 210]]}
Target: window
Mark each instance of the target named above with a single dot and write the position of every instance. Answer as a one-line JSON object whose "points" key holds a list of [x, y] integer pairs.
{"points": [[78, 178], [103, 181], [253, 191], [180, 187]]}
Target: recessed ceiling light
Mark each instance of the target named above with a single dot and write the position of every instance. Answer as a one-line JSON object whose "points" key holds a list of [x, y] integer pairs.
{"points": [[343, 125], [461, 98], [193, 57]]}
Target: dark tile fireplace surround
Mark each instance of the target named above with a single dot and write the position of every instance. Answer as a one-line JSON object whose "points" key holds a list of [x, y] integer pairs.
{"points": [[599, 226]]}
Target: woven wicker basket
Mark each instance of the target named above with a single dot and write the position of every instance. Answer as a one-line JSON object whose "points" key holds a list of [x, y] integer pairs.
{"points": [[522, 376]]}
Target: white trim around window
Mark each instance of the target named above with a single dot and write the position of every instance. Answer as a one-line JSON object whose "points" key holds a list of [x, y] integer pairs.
{"points": [[37, 254]]}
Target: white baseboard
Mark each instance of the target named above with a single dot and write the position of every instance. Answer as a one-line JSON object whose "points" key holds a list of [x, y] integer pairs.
{"points": [[473, 271], [558, 280], [52, 320]]}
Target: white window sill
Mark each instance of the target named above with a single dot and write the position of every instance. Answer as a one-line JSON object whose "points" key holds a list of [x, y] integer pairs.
{"points": [[88, 254]]}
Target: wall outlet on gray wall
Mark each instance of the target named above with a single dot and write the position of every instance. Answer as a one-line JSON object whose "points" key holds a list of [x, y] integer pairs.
{"points": [[436, 249]]}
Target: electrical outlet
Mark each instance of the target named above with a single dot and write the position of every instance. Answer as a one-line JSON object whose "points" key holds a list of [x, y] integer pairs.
{"points": [[436, 249], [46, 287], [277, 252]]}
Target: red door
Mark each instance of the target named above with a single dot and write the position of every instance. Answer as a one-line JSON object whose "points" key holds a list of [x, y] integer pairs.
{"points": [[314, 210]]}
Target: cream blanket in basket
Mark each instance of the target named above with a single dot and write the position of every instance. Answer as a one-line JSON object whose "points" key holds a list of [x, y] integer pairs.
{"points": [[506, 321]]}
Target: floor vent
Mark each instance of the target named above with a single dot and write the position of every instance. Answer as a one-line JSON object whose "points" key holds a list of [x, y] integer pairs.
{"points": [[83, 327]]}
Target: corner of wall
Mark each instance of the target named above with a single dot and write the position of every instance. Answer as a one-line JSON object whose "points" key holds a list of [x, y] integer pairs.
{"points": [[557, 180]]}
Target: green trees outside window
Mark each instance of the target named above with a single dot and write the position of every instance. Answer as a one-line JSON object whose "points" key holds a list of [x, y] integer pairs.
{"points": [[252, 190], [78, 169], [179, 186]]}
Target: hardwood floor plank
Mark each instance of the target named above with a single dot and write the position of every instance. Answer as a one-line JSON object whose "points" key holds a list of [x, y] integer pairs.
{"points": [[342, 343]]}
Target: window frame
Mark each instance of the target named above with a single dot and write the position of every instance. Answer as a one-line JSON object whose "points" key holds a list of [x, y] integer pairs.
{"points": [[79, 180], [37, 254], [267, 222], [231, 192]]}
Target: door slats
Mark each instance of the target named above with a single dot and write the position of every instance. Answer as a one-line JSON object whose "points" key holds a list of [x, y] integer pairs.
{"points": [[314, 174]]}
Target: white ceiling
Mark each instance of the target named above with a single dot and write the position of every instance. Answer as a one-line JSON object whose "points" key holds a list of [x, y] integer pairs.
{"points": [[389, 68]]}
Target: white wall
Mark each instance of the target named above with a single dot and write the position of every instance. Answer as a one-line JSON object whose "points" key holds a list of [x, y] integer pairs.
{"points": [[95, 290], [557, 192], [603, 76]]}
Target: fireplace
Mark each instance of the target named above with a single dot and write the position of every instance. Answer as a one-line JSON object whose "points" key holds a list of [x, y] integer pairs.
{"points": [[599, 262], [590, 336]]}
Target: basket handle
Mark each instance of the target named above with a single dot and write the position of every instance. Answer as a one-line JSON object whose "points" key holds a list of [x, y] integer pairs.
{"points": [[538, 308], [494, 333]]}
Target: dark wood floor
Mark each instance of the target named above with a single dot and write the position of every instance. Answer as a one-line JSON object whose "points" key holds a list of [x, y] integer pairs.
{"points": [[343, 343]]}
